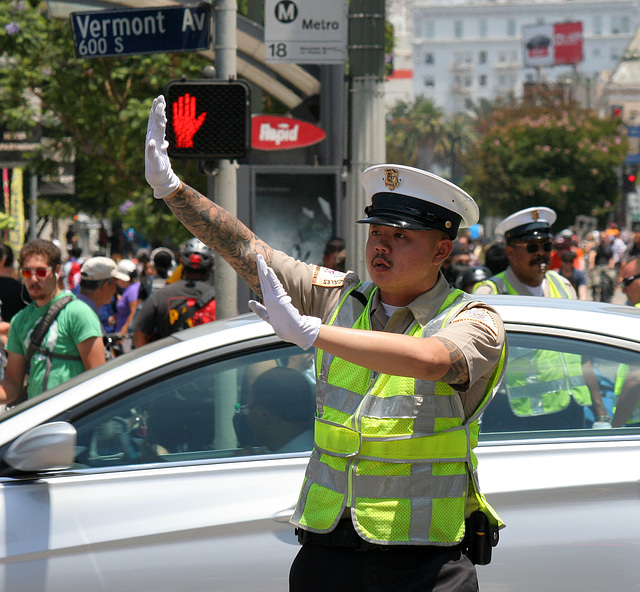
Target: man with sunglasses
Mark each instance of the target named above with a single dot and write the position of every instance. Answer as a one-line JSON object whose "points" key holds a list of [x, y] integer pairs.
{"points": [[528, 239], [73, 342]]}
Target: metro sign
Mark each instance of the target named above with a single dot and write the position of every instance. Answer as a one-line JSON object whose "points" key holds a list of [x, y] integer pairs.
{"points": [[274, 132]]}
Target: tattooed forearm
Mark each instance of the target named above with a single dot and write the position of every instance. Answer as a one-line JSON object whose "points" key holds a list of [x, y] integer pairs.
{"points": [[458, 372], [222, 231]]}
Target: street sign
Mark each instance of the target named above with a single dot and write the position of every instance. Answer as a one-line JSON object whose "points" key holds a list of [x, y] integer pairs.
{"points": [[275, 132], [633, 131], [114, 33], [305, 31]]}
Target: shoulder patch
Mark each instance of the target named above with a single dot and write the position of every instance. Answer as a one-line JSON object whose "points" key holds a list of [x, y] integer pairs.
{"points": [[480, 316], [323, 276]]}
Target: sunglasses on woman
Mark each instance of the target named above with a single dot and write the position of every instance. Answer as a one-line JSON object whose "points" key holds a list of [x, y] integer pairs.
{"points": [[40, 272]]}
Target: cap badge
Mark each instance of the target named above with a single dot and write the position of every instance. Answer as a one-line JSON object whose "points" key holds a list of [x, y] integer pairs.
{"points": [[535, 215], [447, 224], [391, 180]]}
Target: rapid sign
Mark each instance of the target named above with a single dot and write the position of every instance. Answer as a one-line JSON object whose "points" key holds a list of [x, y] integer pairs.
{"points": [[113, 33], [274, 132]]}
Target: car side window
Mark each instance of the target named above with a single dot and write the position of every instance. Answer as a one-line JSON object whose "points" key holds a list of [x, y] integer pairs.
{"points": [[557, 383], [256, 403]]}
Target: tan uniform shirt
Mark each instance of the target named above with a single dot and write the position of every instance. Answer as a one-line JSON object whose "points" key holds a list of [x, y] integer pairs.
{"points": [[478, 332], [524, 290]]}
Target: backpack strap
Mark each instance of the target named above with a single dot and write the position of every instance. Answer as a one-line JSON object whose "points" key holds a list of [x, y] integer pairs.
{"points": [[46, 321]]}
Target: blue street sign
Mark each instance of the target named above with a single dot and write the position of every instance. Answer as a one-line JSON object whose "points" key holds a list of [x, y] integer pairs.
{"points": [[632, 159], [113, 33], [633, 131]]}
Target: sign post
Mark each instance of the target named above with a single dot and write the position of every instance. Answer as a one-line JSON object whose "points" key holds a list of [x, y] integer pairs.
{"points": [[114, 33]]}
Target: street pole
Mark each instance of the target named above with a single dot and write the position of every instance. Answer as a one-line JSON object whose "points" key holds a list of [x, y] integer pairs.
{"points": [[224, 180], [367, 117]]}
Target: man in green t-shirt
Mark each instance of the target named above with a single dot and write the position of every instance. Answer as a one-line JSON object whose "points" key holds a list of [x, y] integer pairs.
{"points": [[73, 342]]}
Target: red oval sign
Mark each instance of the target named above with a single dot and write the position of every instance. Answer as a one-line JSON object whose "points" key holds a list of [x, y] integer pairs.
{"points": [[274, 132]]}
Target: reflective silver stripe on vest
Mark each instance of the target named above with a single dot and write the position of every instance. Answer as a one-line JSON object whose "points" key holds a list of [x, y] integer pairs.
{"points": [[534, 391], [411, 486], [339, 398], [408, 406]]}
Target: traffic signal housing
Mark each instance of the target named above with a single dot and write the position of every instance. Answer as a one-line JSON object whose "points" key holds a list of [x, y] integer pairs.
{"points": [[629, 179], [208, 119]]}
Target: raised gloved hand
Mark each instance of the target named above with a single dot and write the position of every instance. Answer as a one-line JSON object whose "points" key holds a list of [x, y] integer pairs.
{"points": [[157, 166], [278, 311]]}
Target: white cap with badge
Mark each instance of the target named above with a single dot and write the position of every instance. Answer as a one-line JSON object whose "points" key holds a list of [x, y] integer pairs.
{"points": [[406, 197], [528, 224]]}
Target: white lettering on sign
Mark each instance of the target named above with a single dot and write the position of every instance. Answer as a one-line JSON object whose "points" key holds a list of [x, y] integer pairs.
{"points": [[149, 25], [320, 25], [191, 21], [282, 133]]}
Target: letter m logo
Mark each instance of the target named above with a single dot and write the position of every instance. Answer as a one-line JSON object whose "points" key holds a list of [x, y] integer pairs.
{"points": [[286, 11]]}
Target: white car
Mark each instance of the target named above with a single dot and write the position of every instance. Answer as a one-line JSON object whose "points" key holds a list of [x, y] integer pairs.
{"points": [[161, 470]]}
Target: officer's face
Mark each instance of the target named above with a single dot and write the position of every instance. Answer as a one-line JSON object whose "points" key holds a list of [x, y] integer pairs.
{"points": [[529, 266], [405, 263], [631, 287]]}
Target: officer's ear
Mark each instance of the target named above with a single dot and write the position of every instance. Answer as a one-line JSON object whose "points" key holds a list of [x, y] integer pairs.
{"points": [[444, 249]]}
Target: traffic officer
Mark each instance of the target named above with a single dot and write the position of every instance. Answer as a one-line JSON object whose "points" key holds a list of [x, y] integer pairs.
{"points": [[405, 367], [545, 385], [528, 239]]}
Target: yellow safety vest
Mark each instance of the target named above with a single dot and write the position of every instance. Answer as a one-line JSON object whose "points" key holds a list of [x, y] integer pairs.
{"points": [[545, 383], [395, 449]]}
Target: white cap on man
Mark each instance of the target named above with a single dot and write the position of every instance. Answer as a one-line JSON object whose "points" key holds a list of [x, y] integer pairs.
{"points": [[528, 224], [406, 197], [98, 268]]}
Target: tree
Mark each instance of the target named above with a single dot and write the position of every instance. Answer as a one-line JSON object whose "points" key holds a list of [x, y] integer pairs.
{"points": [[550, 153], [413, 133], [93, 113]]}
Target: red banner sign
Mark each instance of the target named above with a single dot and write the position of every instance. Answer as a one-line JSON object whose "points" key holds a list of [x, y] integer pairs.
{"points": [[274, 132]]}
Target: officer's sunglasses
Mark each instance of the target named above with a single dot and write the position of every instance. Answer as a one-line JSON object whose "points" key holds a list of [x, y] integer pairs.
{"points": [[40, 272], [534, 247], [626, 282]]}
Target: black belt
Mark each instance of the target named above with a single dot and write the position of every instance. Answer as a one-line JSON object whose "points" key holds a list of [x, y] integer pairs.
{"points": [[343, 535]]}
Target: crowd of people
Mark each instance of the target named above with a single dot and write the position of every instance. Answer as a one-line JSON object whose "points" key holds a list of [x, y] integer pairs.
{"points": [[60, 316]]}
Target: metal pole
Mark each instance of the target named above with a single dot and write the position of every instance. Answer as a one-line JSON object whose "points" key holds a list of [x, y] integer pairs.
{"points": [[33, 207], [225, 191]]}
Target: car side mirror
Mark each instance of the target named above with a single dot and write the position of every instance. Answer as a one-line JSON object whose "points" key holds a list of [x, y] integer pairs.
{"points": [[47, 447]]}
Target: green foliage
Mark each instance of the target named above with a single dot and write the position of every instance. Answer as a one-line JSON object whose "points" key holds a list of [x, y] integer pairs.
{"points": [[553, 154], [93, 110]]}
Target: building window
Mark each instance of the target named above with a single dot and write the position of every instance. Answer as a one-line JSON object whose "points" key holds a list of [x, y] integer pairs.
{"points": [[468, 81], [458, 29], [619, 25], [482, 27], [482, 57], [429, 81], [511, 28], [482, 81], [429, 30], [597, 25], [428, 58]]}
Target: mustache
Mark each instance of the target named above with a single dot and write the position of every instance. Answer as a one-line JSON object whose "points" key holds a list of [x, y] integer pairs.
{"points": [[540, 260], [381, 257]]}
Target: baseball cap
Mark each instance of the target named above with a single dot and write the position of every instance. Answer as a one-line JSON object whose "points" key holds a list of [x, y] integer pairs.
{"points": [[98, 268], [406, 197], [528, 224], [126, 270]]}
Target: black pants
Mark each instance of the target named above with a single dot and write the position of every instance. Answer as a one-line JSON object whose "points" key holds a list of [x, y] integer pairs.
{"points": [[317, 568]]}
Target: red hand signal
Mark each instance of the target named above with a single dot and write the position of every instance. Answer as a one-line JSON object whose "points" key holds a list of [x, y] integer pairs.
{"points": [[185, 122]]}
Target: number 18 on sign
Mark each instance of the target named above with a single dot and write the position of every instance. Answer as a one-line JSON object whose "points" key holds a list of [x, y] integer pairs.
{"points": [[306, 31]]}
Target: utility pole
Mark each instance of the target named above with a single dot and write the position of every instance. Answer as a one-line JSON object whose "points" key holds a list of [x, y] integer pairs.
{"points": [[224, 179], [366, 144]]}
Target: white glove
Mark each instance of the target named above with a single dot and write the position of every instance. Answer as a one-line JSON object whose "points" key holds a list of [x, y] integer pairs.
{"points": [[278, 311], [157, 166]]}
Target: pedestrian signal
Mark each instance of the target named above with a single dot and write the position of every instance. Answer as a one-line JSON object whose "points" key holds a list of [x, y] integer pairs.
{"points": [[208, 119]]}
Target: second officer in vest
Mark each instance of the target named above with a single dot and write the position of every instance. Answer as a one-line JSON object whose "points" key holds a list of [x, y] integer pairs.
{"points": [[405, 367], [528, 239]]}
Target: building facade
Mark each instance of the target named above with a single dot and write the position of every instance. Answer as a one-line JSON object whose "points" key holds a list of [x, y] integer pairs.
{"points": [[468, 50]]}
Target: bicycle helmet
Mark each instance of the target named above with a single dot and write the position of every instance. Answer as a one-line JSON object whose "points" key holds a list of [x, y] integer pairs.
{"points": [[473, 275], [196, 255]]}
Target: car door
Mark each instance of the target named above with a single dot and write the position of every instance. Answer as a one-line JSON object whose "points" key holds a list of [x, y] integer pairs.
{"points": [[169, 490], [567, 489]]}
